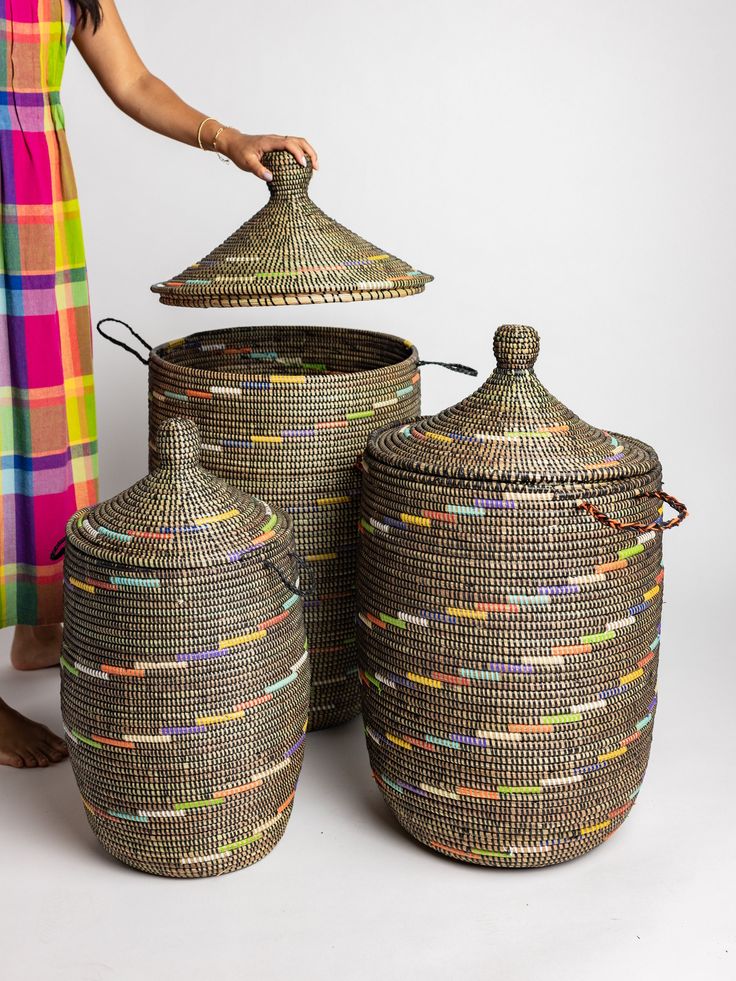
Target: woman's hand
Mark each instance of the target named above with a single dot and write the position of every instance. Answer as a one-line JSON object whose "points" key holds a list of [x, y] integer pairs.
{"points": [[247, 151]]}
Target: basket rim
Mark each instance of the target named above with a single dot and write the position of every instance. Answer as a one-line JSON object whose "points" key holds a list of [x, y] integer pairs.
{"points": [[157, 353]]}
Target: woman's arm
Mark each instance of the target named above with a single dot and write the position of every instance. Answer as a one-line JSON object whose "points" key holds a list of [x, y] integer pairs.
{"points": [[118, 67]]}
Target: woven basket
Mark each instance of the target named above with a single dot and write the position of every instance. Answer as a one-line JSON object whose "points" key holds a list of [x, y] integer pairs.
{"points": [[291, 252], [184, 671], [285, 414], [510, 594]]}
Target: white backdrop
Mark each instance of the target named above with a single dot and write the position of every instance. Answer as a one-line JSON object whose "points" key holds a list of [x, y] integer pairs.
{"points": [[568, 165]]}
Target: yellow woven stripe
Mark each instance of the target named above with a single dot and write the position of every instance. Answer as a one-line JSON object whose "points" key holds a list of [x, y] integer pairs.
{"points": [[267, 439], [454, 611], [288, 379], [212, 518], [245, 639], [81, 585], [322, 557], [625, 679], [399, 742], [439, 437], [413, 519], [421, 680], [594, 827], [210, 720], [612, 755], [651, 593]]}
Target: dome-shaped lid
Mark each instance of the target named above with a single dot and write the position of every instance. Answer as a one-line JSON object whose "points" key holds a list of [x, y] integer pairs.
{"points": [[291, 252], [179, 516], [512, 429]]}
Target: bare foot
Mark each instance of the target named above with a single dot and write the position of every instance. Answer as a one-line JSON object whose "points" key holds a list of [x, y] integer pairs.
{"points": [[36, 647], [26, 743]]}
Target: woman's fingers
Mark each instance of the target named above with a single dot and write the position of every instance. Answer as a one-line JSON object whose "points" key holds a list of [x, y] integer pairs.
{"points": [[254, 165], [292, 144], [310, 151]]}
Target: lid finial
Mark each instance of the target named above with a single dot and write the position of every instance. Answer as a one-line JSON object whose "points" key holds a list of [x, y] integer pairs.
{"points": [[290, 179], [516, 347], [179, 443]]}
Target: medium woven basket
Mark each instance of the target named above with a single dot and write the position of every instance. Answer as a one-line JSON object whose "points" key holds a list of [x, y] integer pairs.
{"points": [[291, 253], [185, 678], [510, 595], [285, 414]]}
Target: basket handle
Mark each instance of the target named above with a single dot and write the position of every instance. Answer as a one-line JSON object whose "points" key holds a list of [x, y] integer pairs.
{"points": [[285, 579], [122, 344], [682, 513], [461, 369], [57, 552]]}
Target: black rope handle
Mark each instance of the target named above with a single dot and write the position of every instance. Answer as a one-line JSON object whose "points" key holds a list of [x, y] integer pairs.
{"points": [[122, 344], [57, 552], [287, 582], [461, 369]]}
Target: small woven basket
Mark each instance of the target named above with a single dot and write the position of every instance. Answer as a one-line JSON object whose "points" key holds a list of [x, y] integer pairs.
{"points": [[185, 679], [285, 413], [291, 253], [510, 595]]}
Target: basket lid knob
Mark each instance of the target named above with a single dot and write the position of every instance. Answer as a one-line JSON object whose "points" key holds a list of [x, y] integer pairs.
{"points": [[516, 346], [179, 443], [290, 179]]}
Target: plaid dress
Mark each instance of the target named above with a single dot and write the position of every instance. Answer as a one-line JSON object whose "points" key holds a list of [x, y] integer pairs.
{"points": [[48, 447]]}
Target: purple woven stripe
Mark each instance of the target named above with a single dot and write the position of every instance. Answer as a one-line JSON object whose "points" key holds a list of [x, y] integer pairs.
{"points": [[482, 502], [201, 655], [295, 747], [557, 590], [298, 432], [182, 730], [468, 740], [652, 705], [413, 789], [512, 668]]}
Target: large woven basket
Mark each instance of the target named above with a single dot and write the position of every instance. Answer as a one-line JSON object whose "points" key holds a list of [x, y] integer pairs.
{"points": [[184, 671], [291, 253], [285, 414], [510, 595]]}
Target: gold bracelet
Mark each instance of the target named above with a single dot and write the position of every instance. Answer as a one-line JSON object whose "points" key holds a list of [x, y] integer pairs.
{"points": [[209, 119], [220, 156]]}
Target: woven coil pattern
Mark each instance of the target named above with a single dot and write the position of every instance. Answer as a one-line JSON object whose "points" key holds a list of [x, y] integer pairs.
{"points": [[291, 253], [508, 641], [185, 675], [285, 413]]}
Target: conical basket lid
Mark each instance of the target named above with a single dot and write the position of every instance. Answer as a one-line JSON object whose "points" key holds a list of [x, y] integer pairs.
{"points": [[179, 516], [512, 429], [291, 252]]}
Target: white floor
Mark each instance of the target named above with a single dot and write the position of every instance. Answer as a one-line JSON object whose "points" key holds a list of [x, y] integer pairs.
{"points": [[346, 895]]}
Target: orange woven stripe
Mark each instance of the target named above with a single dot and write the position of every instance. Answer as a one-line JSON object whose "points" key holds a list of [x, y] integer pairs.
{"points": [[286, 803], [123, 672], [472, 792], [232, 791], [611, 566], [572, 649], [621, 810], [193, 393], [531, 727], [646, 659], [253, 701], [378, 623], [451, 679], [113, 742]]}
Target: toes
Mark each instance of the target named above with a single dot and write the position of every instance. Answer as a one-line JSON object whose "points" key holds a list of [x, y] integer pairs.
{"points": [[41, 758], [55, 751], [12, 759], [29, 759]]}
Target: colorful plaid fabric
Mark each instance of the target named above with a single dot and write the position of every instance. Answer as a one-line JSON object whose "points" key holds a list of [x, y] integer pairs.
{"points": [[48, 446]]}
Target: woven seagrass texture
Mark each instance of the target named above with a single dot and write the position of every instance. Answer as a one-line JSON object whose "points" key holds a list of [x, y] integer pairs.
{"points": [[508, 641], [185, 677], [285, 413], [291, 252]]}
